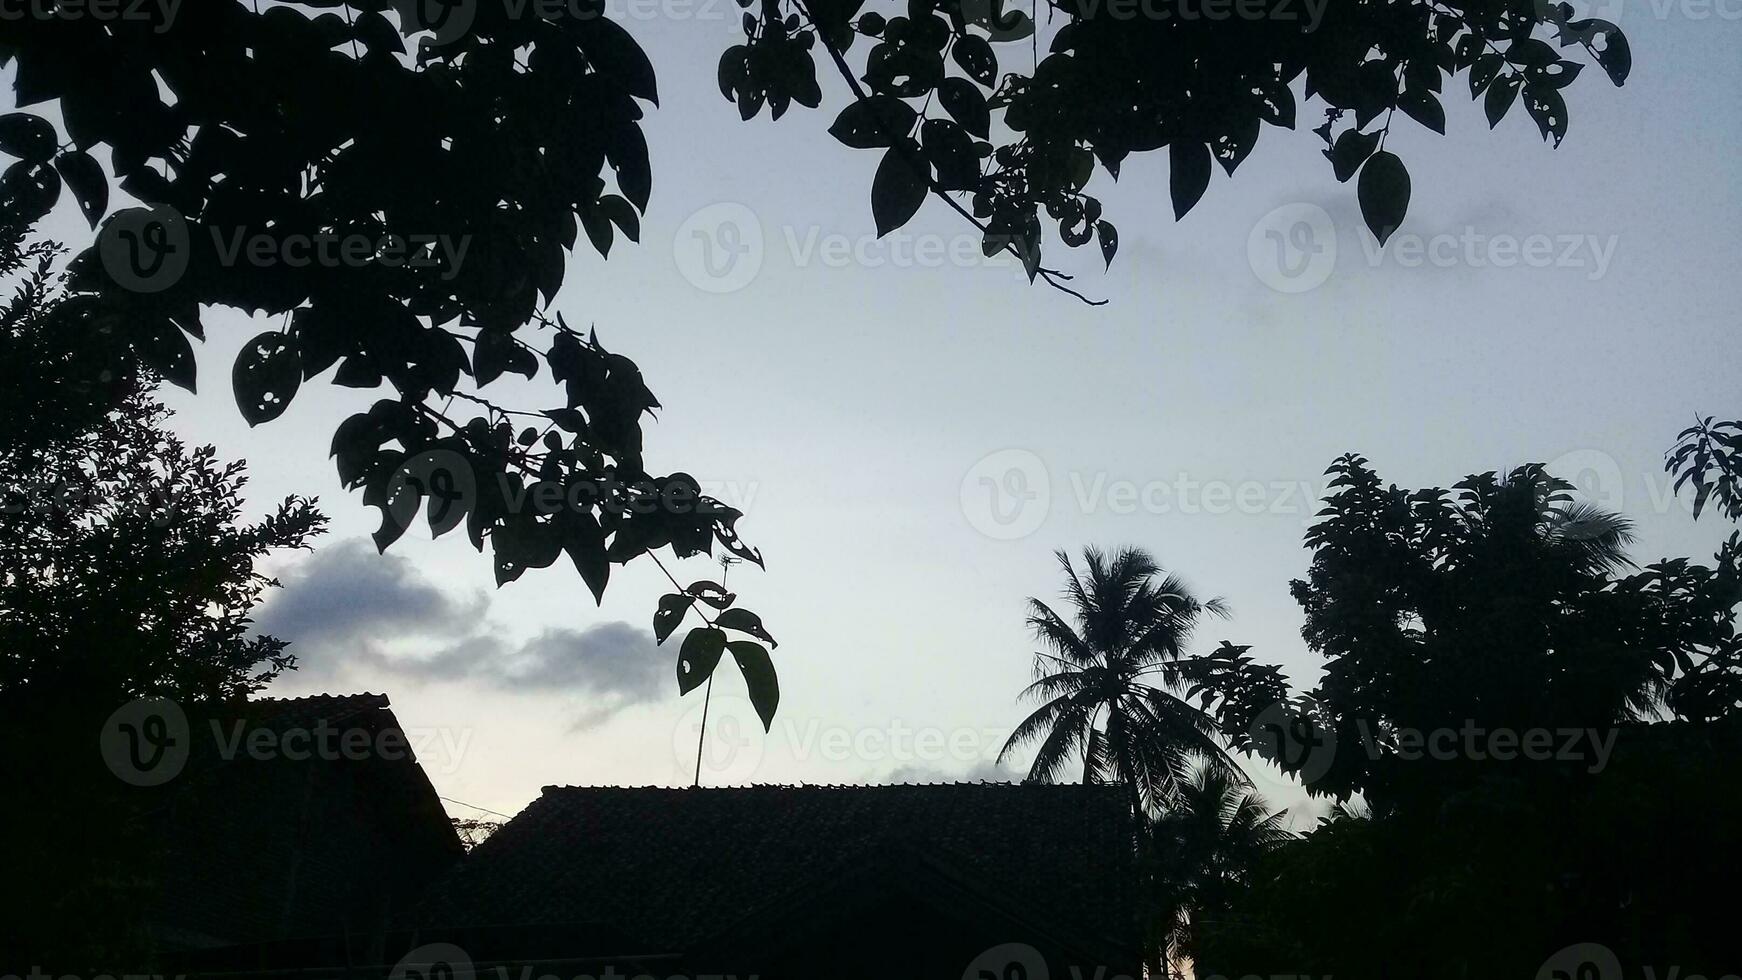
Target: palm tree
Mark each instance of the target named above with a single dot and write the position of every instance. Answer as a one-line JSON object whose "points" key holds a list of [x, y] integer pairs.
{"points": [[1199, 853], [1594, 539], [1096, 681]]}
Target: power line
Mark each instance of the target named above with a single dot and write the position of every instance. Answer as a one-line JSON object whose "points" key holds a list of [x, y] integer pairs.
{"points": [[474, 806]]}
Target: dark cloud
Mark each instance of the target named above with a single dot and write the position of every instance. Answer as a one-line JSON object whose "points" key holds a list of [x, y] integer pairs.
{"points": [[346, 604], [346, 593]]}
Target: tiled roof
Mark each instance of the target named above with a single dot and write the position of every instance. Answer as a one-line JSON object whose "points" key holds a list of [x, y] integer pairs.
{"points": [[674, 867], [254, 850]]}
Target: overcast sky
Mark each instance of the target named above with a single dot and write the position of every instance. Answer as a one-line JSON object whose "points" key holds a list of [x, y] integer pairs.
{"points": [[911, 437]]}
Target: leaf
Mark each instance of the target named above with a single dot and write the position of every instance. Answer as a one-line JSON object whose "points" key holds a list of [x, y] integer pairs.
{"points": [[1484, 71], [965, 105], [712, 593], [83, 175], [1425, 109], [266, 376], [615, 54], [744, 621], [698, 657], [28, 137], [975, 57], [877, 121], [897, 191], [1109, 237], [670, 614], [29, 191], [1549, 109], [951, 151], [734, 70], [1614, 55], [1188, 176], [584, 541], [759, 677], [1351, 150], [165, 349], [1277, 105], [1384, 194], [1232, 148], [1500, 97]]}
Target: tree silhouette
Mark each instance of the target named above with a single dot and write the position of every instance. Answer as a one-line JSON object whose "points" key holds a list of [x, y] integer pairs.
{"points": [[1201, 852], [515, 133], [1499, 606], [125, 571], [1105, 684], [1709, 454]]}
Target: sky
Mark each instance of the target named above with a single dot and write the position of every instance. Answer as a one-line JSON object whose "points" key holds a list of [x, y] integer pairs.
{"points": [[912, 430]]}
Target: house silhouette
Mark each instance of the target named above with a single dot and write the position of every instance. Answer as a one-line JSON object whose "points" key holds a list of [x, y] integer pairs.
{"points": [[344, 868]]}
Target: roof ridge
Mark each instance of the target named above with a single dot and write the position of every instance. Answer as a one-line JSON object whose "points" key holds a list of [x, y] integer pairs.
{"points": [[306, 698], [550, 789]]}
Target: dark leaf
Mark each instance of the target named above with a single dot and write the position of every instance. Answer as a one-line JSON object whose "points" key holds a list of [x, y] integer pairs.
{"points": [[874, 122], [1549, 109], [28, 137], [975, 57], [744, 621], [897, 190], [165, 349], [965, 105], [698, 656], [88, 184], [1609, 44], [266, 376], [616, 55], [1109, 237], [1350, 151], [1500, 97], [1384, 194], [670, 614], [1424, 108], [1188, 175], [759, 677]]}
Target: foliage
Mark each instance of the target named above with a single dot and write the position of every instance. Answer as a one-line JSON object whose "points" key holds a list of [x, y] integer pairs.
{"points": [[1107, 685], [1500, 604], [472, 831], [125, 570], [126, 567], [1200, 855], [503, 135], [1709, 454], [500, 145], [1527, 862], [1121, 78]]}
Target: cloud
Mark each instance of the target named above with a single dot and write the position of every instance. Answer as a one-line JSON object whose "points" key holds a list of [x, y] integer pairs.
{"points": [[346, 593], [342, 608]]}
